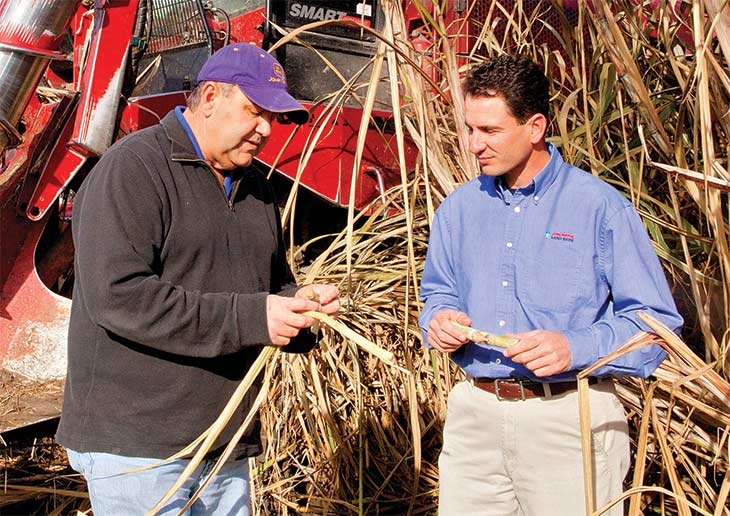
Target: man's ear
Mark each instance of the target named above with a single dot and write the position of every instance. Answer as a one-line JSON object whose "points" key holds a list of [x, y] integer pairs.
{"points": [[538, 125], [208, 97]]}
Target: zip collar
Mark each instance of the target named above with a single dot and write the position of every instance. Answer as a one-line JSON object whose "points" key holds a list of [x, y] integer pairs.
{"points": [[182, 147]]}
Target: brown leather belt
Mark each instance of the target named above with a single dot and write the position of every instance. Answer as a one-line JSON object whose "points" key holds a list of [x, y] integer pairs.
{"points": [[517, 389]]}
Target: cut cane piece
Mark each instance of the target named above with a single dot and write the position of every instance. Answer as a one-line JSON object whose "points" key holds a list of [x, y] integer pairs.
{"points": [[483, 337]]}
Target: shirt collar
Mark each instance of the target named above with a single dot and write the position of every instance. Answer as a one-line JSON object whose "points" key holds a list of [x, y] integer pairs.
{"points": [[539, 185]]}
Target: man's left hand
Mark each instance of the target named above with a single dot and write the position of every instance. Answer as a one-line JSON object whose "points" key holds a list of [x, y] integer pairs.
{"points": [[543, 352], [326, 295]]}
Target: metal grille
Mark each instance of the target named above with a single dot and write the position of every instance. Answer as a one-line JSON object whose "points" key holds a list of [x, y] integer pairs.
{"points": [[176, 24], [541, 11]]}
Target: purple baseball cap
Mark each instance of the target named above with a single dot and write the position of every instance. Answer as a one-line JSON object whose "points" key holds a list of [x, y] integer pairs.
{"points": [[258, 74]]}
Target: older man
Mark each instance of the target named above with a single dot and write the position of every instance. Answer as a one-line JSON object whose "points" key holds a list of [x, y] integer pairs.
{"points": [[181, 278], [558, 259]]}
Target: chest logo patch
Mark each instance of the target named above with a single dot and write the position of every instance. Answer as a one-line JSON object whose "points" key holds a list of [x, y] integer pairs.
{"points": [[559, 235]]}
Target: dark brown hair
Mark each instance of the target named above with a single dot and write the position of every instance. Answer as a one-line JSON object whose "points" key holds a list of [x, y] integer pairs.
{"points": [[516, 79]]}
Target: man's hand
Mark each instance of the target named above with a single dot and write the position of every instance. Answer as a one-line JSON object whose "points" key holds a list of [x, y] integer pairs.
{"points": [[441, 333], [326, 295], [284, 317], [543, 352]]}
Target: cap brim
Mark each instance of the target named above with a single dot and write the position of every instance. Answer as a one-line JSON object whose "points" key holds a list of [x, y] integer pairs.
{"points": [[277, 101]]}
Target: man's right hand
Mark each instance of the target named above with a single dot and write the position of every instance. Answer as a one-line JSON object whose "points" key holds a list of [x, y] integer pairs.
{"points": [[441, 333], [284, 317]]}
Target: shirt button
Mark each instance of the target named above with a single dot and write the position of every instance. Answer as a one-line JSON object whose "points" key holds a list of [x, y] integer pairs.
{"points": [[505, 283], [509, 244], [517, 209], [537, 198], [502, 323]]}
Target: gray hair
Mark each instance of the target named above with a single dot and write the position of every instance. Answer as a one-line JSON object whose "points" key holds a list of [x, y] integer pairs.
{"points": [[194, 97]]}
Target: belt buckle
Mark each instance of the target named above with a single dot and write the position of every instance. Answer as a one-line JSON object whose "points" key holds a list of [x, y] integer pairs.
{"points": [[496, 388]]}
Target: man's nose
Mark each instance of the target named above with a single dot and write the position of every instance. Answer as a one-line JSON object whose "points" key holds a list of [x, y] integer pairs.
{"points": [[264, 126], [476, 143]]}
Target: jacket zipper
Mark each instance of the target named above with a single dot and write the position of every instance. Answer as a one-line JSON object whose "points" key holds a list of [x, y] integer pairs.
{"points": [[229, 202]]}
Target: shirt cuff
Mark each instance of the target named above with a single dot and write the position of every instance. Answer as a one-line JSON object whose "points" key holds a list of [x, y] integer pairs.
{"points": [[583, 348], [424, 336]]}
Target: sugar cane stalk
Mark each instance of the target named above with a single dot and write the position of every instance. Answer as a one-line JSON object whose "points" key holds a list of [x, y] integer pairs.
{"points": [[483, 337]]}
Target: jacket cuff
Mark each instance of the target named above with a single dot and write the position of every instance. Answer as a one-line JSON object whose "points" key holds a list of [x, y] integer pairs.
{"points": [[289, 291], [302, 343], [253, 326]]}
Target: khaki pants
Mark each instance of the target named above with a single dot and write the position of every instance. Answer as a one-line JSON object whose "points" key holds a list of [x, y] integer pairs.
{"points": [[524, 457]]}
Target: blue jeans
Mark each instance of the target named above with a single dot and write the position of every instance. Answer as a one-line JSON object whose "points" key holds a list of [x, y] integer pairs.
{"points": [[116, 494]]}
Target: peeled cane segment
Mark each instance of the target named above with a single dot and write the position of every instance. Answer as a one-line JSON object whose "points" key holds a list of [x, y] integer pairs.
{"points": [[482, 337]]}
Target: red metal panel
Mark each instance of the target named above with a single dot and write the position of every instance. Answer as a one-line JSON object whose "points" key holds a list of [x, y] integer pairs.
{"points": [[15, 188], [102, 78], [141, 112], [329, 171], [33, 320], [62, 165], [245, 28], [90, 132]]}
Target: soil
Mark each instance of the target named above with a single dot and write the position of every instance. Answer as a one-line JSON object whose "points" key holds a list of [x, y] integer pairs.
{"points": [[24, 402]]}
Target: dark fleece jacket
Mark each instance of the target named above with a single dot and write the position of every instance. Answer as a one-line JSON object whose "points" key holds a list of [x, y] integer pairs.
{"points": [[169, 303]]}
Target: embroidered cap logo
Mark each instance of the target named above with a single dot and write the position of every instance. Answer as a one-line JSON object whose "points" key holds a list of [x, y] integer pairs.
{"points": [[278, 74]]}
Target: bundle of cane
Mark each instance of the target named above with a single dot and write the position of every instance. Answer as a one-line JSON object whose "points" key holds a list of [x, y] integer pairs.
{"points": [[203, 444]]}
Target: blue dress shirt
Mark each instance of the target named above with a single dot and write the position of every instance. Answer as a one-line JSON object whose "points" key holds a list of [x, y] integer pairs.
{"points": [[567, 253]]}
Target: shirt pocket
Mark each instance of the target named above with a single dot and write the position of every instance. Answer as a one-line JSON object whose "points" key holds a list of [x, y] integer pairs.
{"points": [[549, 279]]}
